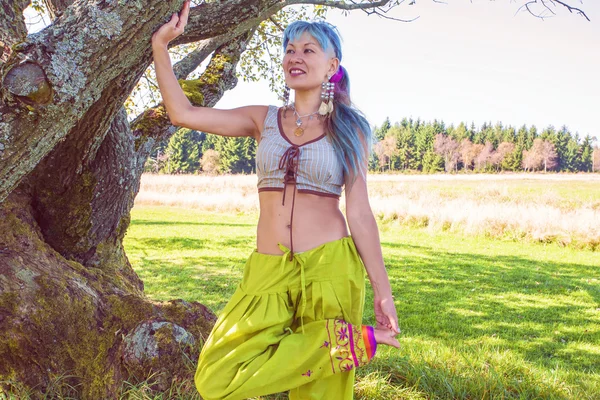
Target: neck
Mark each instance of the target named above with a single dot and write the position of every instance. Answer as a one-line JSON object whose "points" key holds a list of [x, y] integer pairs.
{"points": [[307, 102]]}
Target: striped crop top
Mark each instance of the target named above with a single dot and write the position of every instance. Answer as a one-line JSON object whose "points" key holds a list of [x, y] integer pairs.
{"points": [[312, 167]]}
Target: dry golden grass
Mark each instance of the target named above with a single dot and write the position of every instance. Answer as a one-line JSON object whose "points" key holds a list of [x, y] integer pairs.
{"points": [[561, 208], [224, 193]]}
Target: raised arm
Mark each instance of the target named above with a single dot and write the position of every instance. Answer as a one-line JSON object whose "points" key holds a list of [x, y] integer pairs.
{"points": [[242, 121], [365, 235]]}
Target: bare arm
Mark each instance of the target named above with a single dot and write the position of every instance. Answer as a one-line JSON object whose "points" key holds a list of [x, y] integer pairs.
{"points": [[242, 121], [365, 235]]}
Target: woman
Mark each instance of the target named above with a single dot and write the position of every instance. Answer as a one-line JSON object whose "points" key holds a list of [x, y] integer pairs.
{"points": [[294, 322]]}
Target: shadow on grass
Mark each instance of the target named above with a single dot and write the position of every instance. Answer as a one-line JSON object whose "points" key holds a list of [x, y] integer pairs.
{"points": [[546, 311], [209, 277]]}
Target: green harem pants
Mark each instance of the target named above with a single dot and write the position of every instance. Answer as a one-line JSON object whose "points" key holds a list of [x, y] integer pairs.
{"points": [[291, 325]]}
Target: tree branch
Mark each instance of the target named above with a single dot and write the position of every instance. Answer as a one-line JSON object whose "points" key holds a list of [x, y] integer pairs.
{"points": [[56, 7], [12, 26], [554, 3], [193, 60], [83, 55], [153, 125], [342, 5], [181, 69]]}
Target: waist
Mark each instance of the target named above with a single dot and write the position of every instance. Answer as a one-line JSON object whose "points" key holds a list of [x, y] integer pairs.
{"points": [[337, 259], [317, 219]]}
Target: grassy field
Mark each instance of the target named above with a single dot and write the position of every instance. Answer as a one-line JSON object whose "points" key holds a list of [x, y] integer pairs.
{"points": [[481, 318]]}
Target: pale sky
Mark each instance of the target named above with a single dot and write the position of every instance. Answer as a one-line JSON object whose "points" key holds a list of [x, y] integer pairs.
{"points": [[466, 60]]}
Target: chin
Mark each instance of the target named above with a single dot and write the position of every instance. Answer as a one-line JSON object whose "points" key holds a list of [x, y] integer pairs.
{"points": [[300, 87]]}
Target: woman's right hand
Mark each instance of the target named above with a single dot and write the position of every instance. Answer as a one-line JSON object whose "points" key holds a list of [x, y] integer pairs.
{"points": [[173, 28], [386, 329], [386, 336]]}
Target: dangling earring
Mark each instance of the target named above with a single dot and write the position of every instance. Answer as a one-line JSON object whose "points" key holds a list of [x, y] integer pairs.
{"points": [[326, 106], [331, 89]]}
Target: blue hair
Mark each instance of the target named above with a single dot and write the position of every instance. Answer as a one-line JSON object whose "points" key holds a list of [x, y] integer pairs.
{"points": [[348, 127]]}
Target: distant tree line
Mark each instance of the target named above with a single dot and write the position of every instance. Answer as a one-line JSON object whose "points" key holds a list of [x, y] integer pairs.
{"points": [[411, 145], [430, 147], [189, 151]]}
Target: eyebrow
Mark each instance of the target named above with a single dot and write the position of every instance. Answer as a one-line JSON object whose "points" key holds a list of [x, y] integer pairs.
{"points": [[290, 44]]}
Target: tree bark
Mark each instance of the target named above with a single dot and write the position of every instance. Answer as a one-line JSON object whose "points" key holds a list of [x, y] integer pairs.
{"points": [[57, 81]]}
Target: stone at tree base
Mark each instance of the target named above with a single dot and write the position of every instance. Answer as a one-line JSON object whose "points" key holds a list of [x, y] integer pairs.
{"points": [[163, 347]]}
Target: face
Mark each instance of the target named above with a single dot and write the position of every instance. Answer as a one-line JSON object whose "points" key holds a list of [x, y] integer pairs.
{"points": [[306, 55]]}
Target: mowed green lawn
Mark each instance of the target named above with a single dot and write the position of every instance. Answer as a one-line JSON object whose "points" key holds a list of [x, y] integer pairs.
{"points": [[480, 318]]}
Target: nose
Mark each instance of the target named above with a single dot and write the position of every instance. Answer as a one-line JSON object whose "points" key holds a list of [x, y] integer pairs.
{"points": [[295, 58]]}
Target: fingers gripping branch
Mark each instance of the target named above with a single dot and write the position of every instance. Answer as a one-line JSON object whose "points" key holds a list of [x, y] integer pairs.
{"points": [[206, 91]]}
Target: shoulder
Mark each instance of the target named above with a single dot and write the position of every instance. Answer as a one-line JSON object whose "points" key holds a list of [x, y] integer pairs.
{"points": [[258, 114], [265, 115]]}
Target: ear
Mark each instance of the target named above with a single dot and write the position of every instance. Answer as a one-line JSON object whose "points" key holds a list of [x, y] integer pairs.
{"points": [[334, 64]]}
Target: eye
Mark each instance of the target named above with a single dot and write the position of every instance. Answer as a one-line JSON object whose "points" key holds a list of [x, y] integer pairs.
{"points": [[287, 51]]}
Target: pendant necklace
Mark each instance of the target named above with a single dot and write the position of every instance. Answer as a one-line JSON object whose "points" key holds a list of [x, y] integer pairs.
{"points": [[299, 131]]}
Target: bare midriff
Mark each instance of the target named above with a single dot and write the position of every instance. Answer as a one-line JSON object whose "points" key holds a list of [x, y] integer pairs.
{"points": [[316, 220]]}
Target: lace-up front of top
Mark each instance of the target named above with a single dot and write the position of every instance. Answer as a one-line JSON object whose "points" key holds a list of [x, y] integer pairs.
{"points": [[312, 167]]}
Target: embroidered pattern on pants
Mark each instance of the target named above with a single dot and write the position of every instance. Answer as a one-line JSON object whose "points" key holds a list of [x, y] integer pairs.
{"points": [[346, 346]]}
